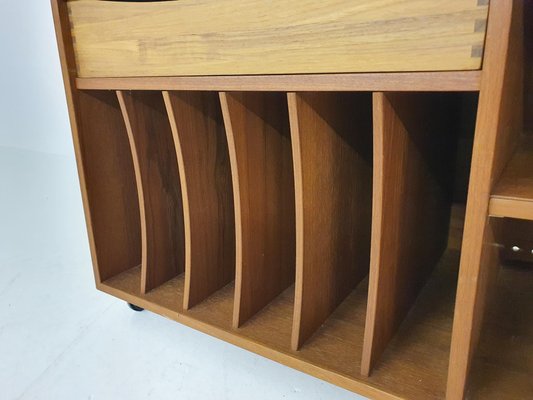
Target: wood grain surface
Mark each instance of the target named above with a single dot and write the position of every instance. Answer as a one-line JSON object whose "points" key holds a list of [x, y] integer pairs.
{"points": [[110, 180], [498, 127], [158, 184], [332, 152], [105, 169], [259, 144], [233, 37], [376, 45], [415, 363], [200, 138], [513, 194], [441, 81], [414, 155]]}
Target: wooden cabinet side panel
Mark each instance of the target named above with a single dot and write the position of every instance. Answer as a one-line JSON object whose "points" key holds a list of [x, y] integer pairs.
{"points": [[110, 183], [498, 127], [104, 167]]}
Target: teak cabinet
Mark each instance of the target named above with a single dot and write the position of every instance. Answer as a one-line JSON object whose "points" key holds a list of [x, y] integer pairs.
{"points": [[344, 187]]}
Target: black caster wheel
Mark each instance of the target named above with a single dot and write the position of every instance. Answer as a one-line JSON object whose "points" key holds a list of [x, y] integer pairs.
{"points": [[135, 308]]}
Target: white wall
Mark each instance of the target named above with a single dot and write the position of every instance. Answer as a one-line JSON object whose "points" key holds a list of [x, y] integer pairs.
{"points": [[33, 113]]}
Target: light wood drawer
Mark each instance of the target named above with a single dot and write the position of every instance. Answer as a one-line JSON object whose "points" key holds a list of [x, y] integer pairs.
{"points": [[234, 37]]}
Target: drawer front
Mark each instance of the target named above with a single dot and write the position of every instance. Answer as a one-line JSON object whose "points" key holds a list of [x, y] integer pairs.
{"points": [[234, 37]]}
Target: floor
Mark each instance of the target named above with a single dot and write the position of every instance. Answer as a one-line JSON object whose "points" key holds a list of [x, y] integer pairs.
{"points": [[62, 339]]}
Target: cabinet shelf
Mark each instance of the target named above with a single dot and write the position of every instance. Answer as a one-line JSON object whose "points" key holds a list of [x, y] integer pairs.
{"points": [[445, 81], [513, 195]]}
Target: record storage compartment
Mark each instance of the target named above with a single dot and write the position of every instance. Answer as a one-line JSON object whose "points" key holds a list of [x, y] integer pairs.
{"points": [[318, 220]]}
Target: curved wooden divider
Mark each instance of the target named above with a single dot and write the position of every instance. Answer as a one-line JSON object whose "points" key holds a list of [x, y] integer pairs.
{"points": [[259, 144], [332, 152], [414, 155], [205, 173], [156, 171], [113, 213]]}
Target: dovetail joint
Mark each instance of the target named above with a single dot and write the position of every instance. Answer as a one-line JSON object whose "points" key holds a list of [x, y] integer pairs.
{"points": [[480, 25], [477, 51]]}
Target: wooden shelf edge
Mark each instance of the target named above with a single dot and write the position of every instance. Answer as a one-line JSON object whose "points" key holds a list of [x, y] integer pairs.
{"points": [[513, 195], [236, 339], [447, 81], [511, 208]]}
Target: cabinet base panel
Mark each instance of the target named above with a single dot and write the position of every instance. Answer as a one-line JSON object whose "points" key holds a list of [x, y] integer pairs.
{"points": [[413, 367]]}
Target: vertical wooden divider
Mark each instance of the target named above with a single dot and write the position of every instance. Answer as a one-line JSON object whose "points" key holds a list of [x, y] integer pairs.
{"points": [[259, 145], [156, 168], [498, 126], [204, 168], [413, 186], [332, 153]]}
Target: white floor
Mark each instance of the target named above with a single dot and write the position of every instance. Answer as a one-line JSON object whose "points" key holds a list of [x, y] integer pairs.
{"points": [[61, 339]]}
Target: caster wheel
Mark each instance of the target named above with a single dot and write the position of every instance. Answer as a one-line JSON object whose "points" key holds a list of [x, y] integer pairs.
{"points": [[135, 308]]}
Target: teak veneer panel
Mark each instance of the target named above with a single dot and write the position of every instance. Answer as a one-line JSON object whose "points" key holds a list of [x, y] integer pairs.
{"points": [[332, 152], [156, 169], [235, 37], [257, 126], [110, 180], [414, 149], [113, 248], [498, 126], [513, 195], [200, 138], [441, 81]]}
